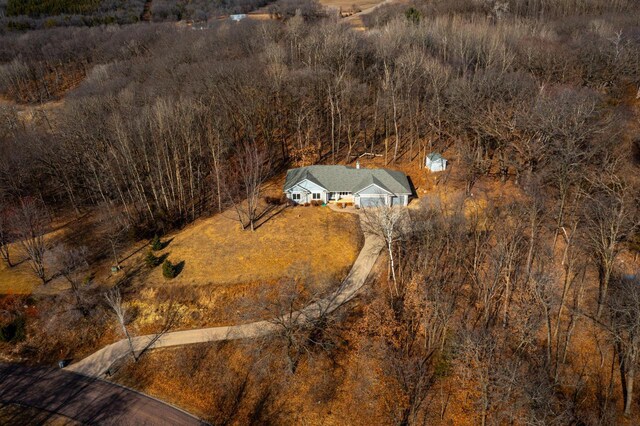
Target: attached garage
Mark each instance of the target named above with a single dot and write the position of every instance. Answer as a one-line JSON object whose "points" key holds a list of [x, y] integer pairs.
{"points": [[398, 200], [372, 201]]}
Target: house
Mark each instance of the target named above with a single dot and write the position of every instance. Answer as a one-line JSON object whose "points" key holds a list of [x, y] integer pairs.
{"points": [[238, 17], [436, 162], [349, 185]]}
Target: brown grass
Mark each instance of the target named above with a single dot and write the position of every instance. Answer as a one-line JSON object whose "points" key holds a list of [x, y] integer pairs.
{"points": [[346, 7], [229, 273], [299, 241], [17, 280]]}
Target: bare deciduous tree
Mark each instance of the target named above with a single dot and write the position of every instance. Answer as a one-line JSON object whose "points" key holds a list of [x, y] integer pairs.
{"points": [[623, 307], [73, 266], [609, 217], [5, 236], [250, 170], [115, 233], [113, 298], [391, 223], [30, 223], [302, 321]]}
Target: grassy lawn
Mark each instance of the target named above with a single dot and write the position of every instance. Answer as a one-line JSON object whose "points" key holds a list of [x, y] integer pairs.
{"points": [[309, 241], [18, 279], [227, 271]]}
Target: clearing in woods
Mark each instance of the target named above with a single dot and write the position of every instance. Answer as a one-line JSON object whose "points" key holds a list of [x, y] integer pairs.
{"points": [[350, 5], [349, 9], [310, 242], [299, 241], [19, 279]]}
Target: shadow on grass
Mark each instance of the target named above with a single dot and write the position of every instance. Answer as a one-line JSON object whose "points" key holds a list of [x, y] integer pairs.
{"points": [[134, 252], [162, 258], [172, 270], [165, 244], [269, 213], [178, 267]]}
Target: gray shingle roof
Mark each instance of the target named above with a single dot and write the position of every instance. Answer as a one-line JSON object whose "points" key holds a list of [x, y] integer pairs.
{"points": [[435, 156], [349, 179], [369, 180]]}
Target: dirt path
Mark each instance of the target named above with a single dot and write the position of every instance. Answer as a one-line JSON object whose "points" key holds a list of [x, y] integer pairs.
{"points": [[98, 363], [355, 20], [57, 394]]}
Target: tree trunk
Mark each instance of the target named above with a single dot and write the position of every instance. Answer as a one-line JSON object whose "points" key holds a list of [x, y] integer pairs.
{"points": [[629, 371], [629, 389], [392, 267]]}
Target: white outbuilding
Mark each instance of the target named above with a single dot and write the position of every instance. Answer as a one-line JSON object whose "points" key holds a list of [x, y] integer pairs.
{"points": [[436, 162], [238, 17]]}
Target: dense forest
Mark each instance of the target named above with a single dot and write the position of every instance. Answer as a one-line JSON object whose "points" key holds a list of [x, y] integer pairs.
{"points": [[20, 15], [527, 314], [38, 8]]}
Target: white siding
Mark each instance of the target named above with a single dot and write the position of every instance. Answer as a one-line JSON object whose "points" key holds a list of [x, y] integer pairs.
{"points": [[310, 186], [306, 189], [437, 166], [372, 190]]}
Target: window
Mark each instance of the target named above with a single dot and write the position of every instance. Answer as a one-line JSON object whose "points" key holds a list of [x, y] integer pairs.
{"points": [[295, 197], [316, 195], [345, 194]]}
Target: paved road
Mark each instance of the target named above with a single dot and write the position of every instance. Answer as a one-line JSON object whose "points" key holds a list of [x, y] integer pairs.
{"points": [[55, 392], [98, 363]]}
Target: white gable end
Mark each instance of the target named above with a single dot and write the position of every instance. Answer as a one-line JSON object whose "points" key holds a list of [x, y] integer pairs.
{"points": [[373, 189], [306, 186]]}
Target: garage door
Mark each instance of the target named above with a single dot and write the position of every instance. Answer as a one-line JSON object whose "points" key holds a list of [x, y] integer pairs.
{"points": [[397, 201], [371, 201]]}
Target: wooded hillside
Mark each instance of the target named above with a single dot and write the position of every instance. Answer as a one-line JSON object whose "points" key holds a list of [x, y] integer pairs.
{"points": [[514, 296], [49, 7], [21, 15]]}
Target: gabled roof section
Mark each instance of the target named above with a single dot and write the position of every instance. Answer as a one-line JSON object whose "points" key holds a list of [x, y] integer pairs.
{"points": [[313, 179], [367, 182], [349, 179], [298, 188], [435, 156], [299, 175]]}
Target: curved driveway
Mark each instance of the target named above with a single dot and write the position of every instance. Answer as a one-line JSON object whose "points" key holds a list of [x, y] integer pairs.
{"points": [[56, 393], [98, 363]]}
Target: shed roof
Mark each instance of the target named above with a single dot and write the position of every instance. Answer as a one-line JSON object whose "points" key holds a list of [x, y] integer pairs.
{"points": [[435, 156], [349, 179]]}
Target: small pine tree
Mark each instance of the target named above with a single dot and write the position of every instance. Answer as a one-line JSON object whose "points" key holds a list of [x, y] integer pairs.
{"points": [[15, 331], [413, 15], [151, 259], [156, 244], [169, 270]]}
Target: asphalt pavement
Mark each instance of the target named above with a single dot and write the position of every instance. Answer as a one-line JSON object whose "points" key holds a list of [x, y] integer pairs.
{"points": [[55, 393]]}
